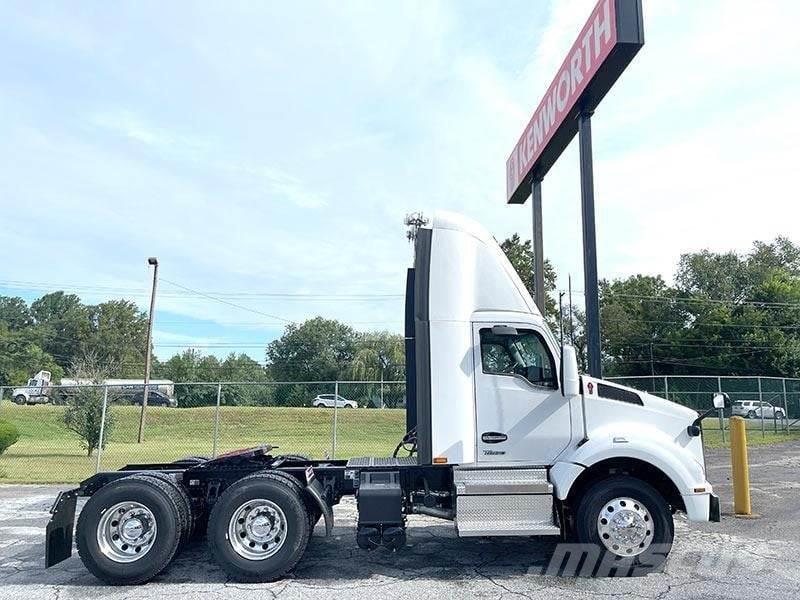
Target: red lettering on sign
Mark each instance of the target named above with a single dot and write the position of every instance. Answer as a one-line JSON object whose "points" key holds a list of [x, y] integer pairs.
{"points": [[590, 50]]}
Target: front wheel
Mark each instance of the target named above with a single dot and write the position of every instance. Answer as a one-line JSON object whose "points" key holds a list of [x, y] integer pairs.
{"points": [[19, 399], [751, 414], [779, 415], [628, 523]]}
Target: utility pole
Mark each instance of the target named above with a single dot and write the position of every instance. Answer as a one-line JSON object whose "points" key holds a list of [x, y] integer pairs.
{"points": [[652, 366], [571, 323], [153, 261]]}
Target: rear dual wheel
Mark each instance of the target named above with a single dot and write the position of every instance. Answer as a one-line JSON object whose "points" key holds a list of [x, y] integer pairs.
{"points": [[130, 530], [259, 528]]}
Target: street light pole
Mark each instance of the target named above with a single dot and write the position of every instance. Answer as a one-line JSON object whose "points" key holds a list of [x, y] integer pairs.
{"points": [[153, 261]]}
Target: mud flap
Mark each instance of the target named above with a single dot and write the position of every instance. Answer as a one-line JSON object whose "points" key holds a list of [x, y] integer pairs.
{"points": [[58, 541], [314, 487]]}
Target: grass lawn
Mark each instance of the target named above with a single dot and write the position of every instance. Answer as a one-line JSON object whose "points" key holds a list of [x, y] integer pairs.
{"points": [[48, 452], [713, 437]]}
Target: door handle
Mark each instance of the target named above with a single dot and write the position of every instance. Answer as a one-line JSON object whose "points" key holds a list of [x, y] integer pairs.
{"points": [[493, 437]]}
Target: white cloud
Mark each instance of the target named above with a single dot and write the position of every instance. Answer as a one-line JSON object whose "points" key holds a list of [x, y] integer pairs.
{"points": [[265, 148]]}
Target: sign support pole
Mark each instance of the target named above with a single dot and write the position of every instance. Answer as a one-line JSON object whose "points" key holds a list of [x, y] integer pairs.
{"points": [[538, 245], [589, 245]]}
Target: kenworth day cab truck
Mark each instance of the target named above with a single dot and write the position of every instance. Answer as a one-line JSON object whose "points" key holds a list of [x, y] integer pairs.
{"points": [[505, 438]]}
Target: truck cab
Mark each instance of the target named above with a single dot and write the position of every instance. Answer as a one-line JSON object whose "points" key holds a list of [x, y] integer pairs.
{"points": [[500, 399], [36, 391]]}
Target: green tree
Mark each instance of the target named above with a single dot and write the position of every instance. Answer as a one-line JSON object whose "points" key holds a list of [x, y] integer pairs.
{"points": [[635, 325], [83, 414], [317, 350], [118, 335], [186, 370], [14, 313], [63, 326], [378, 353], [21, 357]]}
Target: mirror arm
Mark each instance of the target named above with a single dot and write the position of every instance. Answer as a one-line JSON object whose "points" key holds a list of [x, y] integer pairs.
{"points": [[698, 422]]}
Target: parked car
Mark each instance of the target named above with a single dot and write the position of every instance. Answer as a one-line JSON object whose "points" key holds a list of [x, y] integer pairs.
{"points": [[154, 398], [327, 401], [751, 410]]}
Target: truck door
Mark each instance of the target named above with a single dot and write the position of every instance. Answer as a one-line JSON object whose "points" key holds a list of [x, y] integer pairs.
{"points": [[521, 414]]}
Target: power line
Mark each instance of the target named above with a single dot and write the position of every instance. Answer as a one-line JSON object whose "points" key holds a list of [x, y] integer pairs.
{"points": [[700, 300], [698, 324], [114, 290], [239, 306]]}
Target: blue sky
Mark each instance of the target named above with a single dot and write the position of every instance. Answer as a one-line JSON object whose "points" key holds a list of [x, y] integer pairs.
{"points": [[268, 152]]}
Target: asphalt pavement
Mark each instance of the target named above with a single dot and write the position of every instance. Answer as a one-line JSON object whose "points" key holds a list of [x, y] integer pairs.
{"points": [[738, 558]]}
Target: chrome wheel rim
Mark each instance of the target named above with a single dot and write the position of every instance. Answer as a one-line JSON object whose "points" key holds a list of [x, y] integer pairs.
{"points": [[625, 526], [126, 532], [257, 529]]}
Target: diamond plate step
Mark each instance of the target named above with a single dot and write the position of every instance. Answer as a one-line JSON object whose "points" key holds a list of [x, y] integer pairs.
{"points": [[486, 481], [505, 515]]}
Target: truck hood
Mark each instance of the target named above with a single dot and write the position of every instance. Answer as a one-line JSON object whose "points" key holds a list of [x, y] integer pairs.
{"points": [[616, 411]]}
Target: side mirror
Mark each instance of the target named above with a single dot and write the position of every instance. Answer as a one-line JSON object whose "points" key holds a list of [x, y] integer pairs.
{"points": [[721, 400], [570, 379]]}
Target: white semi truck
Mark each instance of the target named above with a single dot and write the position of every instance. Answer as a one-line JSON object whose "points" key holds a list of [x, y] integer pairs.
{"points": [[504, 438], [41, 390]]}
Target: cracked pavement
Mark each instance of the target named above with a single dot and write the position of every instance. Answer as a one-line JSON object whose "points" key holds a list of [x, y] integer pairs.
{"points": [[738, 558]]}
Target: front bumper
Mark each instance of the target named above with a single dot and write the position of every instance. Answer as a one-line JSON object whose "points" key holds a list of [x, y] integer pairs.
{"points": [[702, 507]]}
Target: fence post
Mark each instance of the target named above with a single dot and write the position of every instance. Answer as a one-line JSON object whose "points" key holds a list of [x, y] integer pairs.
{"points": [[785, 405], [666, 388], [216, 421], [382, 403], [761, 407], [102, 430], [2, 390], [335, 415], [721, 411]]}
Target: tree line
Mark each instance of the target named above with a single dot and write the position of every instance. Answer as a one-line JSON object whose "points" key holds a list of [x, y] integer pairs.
{"points": [[725, 313]]}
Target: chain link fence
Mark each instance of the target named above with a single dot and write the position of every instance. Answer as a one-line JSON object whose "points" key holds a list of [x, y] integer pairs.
{"points": [[67, 433], [770, 404]]}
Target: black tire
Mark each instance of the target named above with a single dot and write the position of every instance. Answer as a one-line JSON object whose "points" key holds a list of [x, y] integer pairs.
{"points": [[20, 399], [751, 414], [779, 415], [278, 490], [186, 516], [661, 533], [155, 494]]}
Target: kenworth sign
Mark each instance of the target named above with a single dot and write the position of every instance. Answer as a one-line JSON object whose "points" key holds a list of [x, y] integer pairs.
{"points": [[606, 44]]}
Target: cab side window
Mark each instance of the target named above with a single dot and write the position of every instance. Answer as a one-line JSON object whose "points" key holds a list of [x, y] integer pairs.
{"points": [[524, 354]]}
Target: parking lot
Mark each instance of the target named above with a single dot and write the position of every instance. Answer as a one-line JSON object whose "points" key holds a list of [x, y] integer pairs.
{"points": [[738, 558]]}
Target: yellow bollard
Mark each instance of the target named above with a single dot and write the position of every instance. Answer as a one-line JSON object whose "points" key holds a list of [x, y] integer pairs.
{"points": [[739, 467]]}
